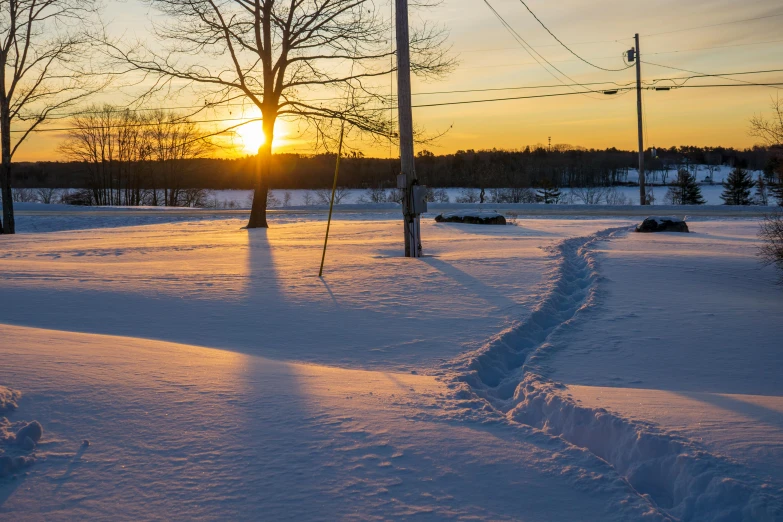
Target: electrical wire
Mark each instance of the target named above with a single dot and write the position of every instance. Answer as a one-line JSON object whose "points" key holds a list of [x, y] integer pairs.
{"points": [[719, 75], [612, 92], [726, 77], [768, 84], [465, 102], [565, 46], [714, 25], [130, 125], [528, 49]]}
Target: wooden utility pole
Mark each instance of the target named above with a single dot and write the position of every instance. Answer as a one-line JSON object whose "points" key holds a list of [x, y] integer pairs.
{"points": [[642, 188], [407, 178]]}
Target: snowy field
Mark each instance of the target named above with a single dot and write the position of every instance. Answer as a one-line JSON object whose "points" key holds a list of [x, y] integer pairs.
{"points": [[611, 196], [559, 368]]}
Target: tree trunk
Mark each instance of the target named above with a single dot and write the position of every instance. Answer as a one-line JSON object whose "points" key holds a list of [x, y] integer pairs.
{"points": [[263, 171], [8, 225]]}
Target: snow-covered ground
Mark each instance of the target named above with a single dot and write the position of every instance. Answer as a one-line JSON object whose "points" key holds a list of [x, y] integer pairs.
{"points": [[559, 368]]}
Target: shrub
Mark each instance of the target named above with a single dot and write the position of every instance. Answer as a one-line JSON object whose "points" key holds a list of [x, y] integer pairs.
{"points": [[771, 233]]}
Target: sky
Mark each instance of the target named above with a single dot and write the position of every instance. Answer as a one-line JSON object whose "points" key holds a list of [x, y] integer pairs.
{"points": [[673, 34]]}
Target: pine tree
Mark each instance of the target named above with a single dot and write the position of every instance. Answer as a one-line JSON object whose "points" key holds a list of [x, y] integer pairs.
{"points": [[685, 190], [762, 194], [774, 173], [737, 187], [548, 193]]}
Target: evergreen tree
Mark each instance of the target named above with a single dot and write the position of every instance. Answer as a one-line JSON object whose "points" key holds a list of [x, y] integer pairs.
{"points": [[737, 187], [762, 194], [685, 190], [548, 193], [774, 173]]}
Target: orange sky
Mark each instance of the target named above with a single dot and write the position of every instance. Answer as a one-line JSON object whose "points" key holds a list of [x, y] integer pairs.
{"points": [[490, 58]]}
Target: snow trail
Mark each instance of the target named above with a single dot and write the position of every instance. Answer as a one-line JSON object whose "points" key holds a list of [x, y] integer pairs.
{"points": [[672, 472]]}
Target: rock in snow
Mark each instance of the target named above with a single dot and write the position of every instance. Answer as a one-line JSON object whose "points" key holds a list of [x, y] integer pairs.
{"points": [[474, 217], [662, 224], [32, 430]]}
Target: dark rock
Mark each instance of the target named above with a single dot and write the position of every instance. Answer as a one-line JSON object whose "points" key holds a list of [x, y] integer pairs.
{"points": [[473, 218], [34, 430], [662, 224]]}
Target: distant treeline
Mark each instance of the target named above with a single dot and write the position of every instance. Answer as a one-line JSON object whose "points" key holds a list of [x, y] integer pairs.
{"points": [[560, 166]]}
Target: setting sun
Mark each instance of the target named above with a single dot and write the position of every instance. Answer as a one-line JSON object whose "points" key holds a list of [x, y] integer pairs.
{"points": [[252, 136]]}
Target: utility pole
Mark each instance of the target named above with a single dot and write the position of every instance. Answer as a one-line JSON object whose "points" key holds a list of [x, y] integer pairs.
{"points": [[407, 178], [642, 188]]}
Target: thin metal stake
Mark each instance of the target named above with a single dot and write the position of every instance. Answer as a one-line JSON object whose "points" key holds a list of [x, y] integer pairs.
{"points": [[331, 202]]}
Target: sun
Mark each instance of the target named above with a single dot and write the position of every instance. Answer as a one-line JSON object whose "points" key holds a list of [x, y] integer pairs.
{"points": [[252, 136]]}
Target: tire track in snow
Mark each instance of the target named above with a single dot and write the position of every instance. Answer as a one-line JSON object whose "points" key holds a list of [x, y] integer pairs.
{"points": [[670, 471]]}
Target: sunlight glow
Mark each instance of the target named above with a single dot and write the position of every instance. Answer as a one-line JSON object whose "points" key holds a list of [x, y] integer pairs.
{"points": [[252, 136]]}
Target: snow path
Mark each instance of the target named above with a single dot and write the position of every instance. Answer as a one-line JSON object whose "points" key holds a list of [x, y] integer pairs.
{"points": [[675, 473]]}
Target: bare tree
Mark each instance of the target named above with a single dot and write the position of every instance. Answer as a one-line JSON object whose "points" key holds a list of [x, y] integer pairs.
{"points": [[324, 196], [311, 60], [129, 157], [110, 142], [590, 195], [41, 42], [46, 195], [769, 130], [173, 139], [771, 233]]}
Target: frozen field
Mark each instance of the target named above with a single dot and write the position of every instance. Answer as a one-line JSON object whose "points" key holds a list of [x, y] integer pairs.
{"points": [[561, 368]]}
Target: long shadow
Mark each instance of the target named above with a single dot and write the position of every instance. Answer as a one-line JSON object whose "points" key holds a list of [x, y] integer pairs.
{"points": [[473, 284], [760, 413], [8, 485], [260, 262], [71, 465], [510, 231], [329, 291]]}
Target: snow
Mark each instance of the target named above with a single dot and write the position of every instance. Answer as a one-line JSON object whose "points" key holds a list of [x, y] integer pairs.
{"points": [[8, 399], [559, 369]]}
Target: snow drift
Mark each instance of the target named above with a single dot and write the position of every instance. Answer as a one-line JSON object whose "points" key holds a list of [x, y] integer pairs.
{"points": [[670, 471]]}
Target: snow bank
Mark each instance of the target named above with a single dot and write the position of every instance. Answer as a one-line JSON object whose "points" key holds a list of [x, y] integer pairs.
{"points": [[671, 471], [8, 398], [687, 482], [15, 438]]}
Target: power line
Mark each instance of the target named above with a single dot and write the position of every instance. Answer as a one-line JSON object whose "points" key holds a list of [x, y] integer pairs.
{"points": [[653, 81], [463, 102], [565, 46], [613, 91], [682, 80], [719, 75], [694, 49], [725, 76], [768, 84], [130, 125], [528, 49], [714, 25]]}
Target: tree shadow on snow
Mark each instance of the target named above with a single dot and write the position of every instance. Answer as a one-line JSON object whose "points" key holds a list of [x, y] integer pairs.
{"points": [[759, 412]]}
